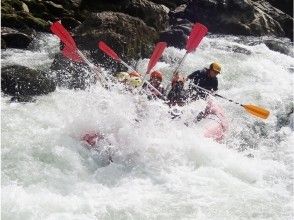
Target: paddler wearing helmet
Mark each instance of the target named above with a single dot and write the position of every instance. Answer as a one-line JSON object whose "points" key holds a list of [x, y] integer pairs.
{"points": [[155, 80], [131, 80], [177, 95], [205, 78]]}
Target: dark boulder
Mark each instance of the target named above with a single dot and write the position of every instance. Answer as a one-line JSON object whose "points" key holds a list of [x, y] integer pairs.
{"points": [[279, 46], [3, 44], [240, 17], [14, 38], [177, 34], [22, 81], [69, 22], [284, 5], [275, 15], [172, 4], [174, 37], [24, 21], [154, 15], [129, 36], [17, 14]]}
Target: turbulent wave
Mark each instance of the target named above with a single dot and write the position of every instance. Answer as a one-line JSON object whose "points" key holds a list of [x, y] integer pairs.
{"points": [[161, 168]]}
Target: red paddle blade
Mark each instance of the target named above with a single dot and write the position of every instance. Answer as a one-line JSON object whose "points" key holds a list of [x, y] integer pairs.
{"points": [[63, 35], [71, 54], [157, 52], [196, 35], [106, 49]]}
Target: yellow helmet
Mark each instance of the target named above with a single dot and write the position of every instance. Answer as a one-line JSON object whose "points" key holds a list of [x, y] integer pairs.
{"points": [[135, 82], [215, 67], [122, 76]]}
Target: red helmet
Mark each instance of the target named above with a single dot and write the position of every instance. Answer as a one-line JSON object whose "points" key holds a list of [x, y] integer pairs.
{"points": [[156, 74]]}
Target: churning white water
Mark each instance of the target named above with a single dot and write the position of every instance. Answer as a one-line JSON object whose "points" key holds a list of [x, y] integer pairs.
{"points": [[161, 168]]}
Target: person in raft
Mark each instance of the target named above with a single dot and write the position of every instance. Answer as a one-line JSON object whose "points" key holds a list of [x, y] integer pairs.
{"points": [[177, 96], [155, 80], [205, 78], [131, 80]]}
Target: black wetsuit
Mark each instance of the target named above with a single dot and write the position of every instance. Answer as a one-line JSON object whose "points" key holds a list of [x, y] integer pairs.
{"points": [[177, 96], [201, 78]]}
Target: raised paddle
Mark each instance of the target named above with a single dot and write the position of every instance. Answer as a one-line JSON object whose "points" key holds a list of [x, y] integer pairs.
{"points": [[70, 49], [71, 54], [197, 33], [157, 52], [110, 52], [252, 109]]}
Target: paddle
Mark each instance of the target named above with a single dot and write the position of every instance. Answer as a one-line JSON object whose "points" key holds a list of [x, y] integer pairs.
{"points": [[157, 52], [252, 109], [70, 49], [197, 33], [71, 54], [110, 52]]}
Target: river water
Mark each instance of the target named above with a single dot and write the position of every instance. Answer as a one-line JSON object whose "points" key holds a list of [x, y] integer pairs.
{"points": [[161, 168]]}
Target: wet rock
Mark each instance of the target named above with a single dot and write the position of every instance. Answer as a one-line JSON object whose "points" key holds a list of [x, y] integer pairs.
{"points": [[24, 21], [129, 36], [21, 98], [240, 17], [154, 15], [70, 23], [273, 14], [55, 9], [178, 33], [17, 14], [174, 37], [283, 5], [3, 44], [14, 38], [22, 81], [279, 46], [172, 4], [25, 7]]}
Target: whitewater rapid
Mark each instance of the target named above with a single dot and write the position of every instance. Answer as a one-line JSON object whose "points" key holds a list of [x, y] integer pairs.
{"points": [[161, 168]]}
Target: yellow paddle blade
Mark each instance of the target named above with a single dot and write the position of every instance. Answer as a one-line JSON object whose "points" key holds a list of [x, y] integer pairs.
{"points": [[257, 111]]}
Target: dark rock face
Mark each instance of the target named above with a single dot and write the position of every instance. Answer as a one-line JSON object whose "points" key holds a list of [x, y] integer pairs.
{"points": [[154, 15], [171, 3], [277, 45], [284, 5], [15, 39], [128, 35], [178, 33], [23, 81], [3, 44], [239, 17], [274, 15], [33, 14]]}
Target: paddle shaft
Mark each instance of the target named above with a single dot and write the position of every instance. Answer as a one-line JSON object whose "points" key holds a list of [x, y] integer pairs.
{"points": [[217, 95], [181, 62]]}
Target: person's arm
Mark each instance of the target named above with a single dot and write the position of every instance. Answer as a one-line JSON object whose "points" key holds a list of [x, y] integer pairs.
{"points": [[193, 75]]}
